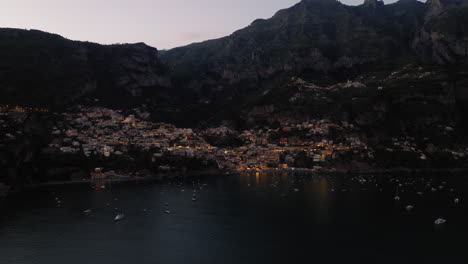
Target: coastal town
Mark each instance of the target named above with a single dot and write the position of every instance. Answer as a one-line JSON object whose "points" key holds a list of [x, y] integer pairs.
{"points": [[316, 145], [107, 133], [11, 123]]}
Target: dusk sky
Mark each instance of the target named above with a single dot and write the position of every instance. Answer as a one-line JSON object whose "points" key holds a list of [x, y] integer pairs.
{"points": [[159, 23]]}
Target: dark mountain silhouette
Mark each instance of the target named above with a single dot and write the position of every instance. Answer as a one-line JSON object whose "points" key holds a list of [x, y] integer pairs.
{"points": [[39, 68], [320, 41], [323, 41]]}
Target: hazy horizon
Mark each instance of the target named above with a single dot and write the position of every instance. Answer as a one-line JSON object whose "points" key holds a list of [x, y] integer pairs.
{"points": [[161, 24]]}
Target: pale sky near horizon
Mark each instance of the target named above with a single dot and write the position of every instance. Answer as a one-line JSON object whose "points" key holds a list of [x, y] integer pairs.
{"points": [[159, 23]]}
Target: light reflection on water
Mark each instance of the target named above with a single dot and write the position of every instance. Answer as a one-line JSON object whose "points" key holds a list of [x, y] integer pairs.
{"points": [[248, 218]]}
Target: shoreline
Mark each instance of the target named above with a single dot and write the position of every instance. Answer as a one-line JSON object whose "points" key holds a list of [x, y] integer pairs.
{"points": [[367, 171], [8, 191], [149, 178]]}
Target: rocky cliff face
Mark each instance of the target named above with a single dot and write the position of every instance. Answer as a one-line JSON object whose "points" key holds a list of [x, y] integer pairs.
{"points": [[44, 69], [319, 40], [444, 36], [324, 41], [314, 35]]}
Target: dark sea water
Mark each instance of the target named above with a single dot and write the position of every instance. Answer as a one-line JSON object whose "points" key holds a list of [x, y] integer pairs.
{"points": [[252, 218]]}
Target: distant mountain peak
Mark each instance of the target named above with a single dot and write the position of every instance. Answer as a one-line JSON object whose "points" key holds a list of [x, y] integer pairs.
{"points": [[374, 3], [319, 2], [61, 71]]}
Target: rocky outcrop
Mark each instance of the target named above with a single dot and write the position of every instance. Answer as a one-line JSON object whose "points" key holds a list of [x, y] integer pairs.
{"points": [[438, 7], [444, 36]]}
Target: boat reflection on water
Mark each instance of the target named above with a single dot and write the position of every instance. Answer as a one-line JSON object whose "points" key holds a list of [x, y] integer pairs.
{"points": [[257, 217], [99, 185]]}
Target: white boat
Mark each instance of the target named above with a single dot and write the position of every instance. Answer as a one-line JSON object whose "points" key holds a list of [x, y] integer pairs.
{"points": [[397, 196], [119, 217], [440, 221]]}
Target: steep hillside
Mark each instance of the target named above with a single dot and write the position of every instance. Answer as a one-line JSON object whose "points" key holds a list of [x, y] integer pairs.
{"points": [[444, 37], [325, 42], [321, 41], [314, 35], [38, 68]]}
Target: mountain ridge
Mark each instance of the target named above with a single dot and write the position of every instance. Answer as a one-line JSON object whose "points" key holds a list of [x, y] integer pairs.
{"points": [[60, 71], [323, 41]]}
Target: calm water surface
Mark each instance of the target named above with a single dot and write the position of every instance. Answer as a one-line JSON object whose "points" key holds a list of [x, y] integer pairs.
{"points": [[255, 218]]}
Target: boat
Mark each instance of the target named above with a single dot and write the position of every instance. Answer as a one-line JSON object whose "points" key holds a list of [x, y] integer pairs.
{"points": [[119, 217], [440, 221], [397, 194]]}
